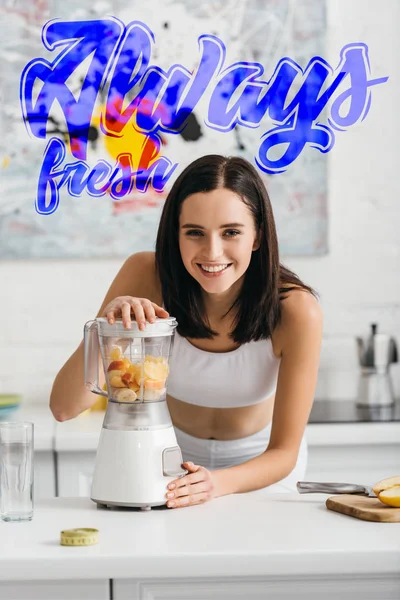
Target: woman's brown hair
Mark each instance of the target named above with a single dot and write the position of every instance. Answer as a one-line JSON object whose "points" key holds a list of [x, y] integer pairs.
{"points": [[258, 305]]}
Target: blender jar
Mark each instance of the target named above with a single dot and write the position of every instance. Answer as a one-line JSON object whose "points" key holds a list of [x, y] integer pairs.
{"points": [[135, 362]]}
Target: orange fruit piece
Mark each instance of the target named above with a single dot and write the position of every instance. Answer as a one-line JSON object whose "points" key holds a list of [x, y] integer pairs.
{"points": [[152, 384]]}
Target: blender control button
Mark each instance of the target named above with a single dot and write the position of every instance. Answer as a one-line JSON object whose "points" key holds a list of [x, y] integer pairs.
{"points": [[79, 537], [172, 461]]}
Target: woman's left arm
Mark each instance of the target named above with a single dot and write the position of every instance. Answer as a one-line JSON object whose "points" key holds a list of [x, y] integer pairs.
{"points": [[300, 336]]}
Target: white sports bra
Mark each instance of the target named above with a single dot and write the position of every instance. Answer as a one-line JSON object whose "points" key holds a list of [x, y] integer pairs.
{"points": [[245, 376]]}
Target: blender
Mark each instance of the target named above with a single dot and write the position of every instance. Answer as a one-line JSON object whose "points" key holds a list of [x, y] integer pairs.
{"points": [[137, 454]]}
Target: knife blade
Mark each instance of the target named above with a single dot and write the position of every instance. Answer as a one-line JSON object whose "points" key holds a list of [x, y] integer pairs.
{"points": [[327, 487]]}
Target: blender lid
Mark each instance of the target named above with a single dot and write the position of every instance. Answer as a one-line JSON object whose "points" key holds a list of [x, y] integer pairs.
{"points": [[161, 327]]}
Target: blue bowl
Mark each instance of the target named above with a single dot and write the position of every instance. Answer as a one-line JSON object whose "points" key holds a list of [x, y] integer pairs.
{"points": [[8, 410]]}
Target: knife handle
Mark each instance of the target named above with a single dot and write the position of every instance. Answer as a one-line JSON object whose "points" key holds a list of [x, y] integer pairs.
{"points": [[318, 487]]}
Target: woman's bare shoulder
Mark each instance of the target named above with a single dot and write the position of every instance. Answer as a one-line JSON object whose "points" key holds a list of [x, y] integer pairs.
{"points": [[138, 277], [300, 311], [141, 267], [299, 305]]}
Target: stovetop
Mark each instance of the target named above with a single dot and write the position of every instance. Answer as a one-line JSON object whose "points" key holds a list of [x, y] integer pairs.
{"points": [[346, 411]]}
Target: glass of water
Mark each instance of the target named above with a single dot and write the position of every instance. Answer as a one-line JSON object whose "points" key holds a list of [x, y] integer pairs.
{"points": [[16, 471]]}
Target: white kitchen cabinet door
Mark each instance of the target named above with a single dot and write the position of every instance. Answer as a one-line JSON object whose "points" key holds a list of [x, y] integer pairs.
{"points": [[364, 464], [44, 483], [55, 590], [257, 588], [341, 463], [74, 473]]}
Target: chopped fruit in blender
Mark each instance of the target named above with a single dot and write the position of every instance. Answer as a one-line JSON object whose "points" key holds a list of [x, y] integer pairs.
{"points": [[127, 363], [156, 370], [155, 359], [153, 394], [151, 384], [117, 382], [388, 491], [127, 377], [115, 353], [124, 374], [116, 365], [125, 395], [115, 373], [138, 378]]}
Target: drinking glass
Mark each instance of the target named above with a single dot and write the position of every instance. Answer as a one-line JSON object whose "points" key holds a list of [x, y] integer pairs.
{"points": [[16, 471]]}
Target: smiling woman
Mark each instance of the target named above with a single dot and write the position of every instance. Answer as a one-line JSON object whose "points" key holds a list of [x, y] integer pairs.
{"points": [[215, 253], [245, 357], [218, 212]]}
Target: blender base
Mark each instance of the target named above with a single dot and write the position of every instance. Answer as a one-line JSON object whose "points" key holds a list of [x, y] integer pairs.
{"points": [[126, 505]]}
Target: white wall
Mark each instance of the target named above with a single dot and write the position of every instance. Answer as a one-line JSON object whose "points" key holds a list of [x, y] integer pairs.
{"points": [[44, 304]]}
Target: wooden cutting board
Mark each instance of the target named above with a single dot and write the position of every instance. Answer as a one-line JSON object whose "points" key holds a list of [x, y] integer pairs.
{"points": [[362, 507]]}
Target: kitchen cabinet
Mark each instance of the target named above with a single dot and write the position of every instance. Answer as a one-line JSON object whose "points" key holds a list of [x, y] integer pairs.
{"points": [[216, 588], [55, 590], [354, 452], [75, 446], [75, 472], [44, 475], [257, 588], [44, 483], [342, 463]]}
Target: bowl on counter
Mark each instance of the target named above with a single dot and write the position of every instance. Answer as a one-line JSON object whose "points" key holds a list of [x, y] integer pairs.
{"points": [[9, 403]]}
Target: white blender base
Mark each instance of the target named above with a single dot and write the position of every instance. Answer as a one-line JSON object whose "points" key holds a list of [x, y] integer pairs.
{"points": [[129, 470]]}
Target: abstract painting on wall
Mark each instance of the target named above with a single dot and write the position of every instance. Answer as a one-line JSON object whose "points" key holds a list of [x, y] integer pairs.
{"points": [[84, 226]]}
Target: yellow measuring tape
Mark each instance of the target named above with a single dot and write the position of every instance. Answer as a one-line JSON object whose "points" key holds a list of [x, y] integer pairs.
{"points": [[79, 537]]}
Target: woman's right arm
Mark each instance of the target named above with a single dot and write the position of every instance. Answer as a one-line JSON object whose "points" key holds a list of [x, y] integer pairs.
{"points": [[135, 280]]}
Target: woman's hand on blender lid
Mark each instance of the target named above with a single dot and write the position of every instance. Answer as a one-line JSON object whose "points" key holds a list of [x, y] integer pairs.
{"points": [[141, 308]]}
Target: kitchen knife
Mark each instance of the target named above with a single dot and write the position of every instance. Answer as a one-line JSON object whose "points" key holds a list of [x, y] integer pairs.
{"points": [[319, 487]]}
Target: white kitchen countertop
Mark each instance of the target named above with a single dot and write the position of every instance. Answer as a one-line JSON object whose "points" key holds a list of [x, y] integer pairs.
{"points": [[252, 534], [82, 433]]}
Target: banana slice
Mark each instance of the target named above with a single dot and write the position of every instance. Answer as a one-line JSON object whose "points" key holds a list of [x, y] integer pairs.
{"points": [[125, 395]]}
